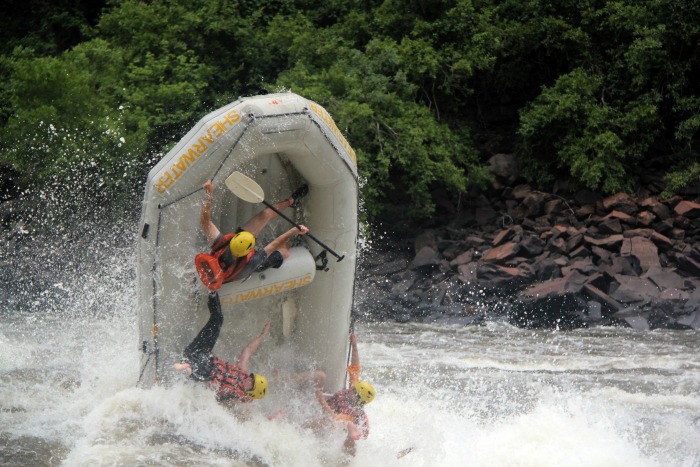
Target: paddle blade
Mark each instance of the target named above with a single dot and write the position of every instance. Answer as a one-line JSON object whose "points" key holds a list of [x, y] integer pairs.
{"points": [[245, 188]]}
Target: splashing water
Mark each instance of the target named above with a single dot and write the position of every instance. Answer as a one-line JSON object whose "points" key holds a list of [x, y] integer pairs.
{"points": [[481, 396], [448, 395]]}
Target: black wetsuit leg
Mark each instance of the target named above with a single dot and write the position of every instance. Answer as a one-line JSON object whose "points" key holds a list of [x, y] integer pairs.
{"points": [[199, 352]]}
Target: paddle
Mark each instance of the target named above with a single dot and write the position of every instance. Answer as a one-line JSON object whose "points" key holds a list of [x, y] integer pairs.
{"points": [[248, 190]]}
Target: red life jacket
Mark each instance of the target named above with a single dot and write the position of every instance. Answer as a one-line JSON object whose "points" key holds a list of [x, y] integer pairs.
{"points": [[213, 270], [228, 380], [346, 402]]}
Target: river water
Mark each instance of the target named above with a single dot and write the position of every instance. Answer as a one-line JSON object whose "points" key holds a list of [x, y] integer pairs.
{"points": [[449, 395]]}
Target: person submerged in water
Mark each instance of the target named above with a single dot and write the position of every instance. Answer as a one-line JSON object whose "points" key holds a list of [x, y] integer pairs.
{"points": [[232, 382], [347, 405], [233, 256]]}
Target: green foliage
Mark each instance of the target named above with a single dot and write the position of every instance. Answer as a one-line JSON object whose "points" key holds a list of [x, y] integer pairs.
{"points": [[592, 139], [47, 27], [52, 101], [678, 179], [629, 94], [403, 150], [425, 90]]}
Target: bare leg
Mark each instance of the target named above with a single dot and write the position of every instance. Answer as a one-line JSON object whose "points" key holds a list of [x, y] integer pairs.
{"points": [[354, 434], [260, 220]]}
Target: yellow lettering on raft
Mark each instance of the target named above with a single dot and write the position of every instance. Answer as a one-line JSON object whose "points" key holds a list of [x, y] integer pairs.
{"points": [[326, 117], [196, 149], [266, 290]]}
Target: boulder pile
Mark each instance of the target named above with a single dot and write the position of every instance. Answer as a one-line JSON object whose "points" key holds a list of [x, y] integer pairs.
{"points": [[545, 260]]}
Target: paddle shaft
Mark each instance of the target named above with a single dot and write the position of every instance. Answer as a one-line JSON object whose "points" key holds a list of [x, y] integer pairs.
{"points": [[299, 227]]}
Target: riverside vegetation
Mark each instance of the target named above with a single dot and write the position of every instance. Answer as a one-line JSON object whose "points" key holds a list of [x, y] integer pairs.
{"points": [[596, 94]]}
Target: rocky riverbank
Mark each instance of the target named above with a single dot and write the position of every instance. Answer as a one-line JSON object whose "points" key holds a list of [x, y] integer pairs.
{"points": [[546, 260], [552, 260]]}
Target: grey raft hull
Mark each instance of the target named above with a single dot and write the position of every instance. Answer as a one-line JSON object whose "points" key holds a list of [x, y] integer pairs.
{"points": [[281, 141]]}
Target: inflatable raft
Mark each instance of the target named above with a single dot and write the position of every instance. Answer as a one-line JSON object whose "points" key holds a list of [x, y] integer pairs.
{"points": [[280, 141]]}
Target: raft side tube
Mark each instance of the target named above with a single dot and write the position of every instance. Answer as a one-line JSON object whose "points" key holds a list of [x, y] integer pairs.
{"points": [[298, 270]]}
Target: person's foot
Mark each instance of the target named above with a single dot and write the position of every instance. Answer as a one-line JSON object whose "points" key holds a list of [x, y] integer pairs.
{"points": [[298, 195], [353, 431], [184, 368]]}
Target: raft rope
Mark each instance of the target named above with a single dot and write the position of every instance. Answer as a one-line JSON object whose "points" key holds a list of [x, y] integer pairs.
{"points": [[321, 256]]}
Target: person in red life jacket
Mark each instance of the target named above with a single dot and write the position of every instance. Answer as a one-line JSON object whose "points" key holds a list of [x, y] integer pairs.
{"points": [[347, 405], [233, 256], [232, 382]]}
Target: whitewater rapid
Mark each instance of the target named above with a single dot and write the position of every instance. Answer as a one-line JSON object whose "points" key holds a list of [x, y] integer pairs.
{"points": [[450, 395]]}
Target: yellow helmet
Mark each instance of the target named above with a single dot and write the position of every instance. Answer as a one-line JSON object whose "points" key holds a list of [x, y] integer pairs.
{"points": [[259, 389], [241, 243], [365, 391]]}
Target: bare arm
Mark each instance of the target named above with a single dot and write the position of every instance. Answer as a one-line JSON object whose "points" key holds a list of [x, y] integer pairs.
{"points": [[252, 346], [355, 357], [277, 243], [210, 230], [324, 405]]}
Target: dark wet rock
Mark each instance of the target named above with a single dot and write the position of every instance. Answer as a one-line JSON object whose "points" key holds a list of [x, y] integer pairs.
{"points": [[542, 260], [546, 269], [646, 218], [574, 242], [468, 272], [594, 311], [611, 242], [691, 320], [688, 209], [665, 278], [610, 226], [674, 295], [389, 268], [426, 238], [604, 300], [620, 216], [554, 207], [504, 235], [677, 233], [506, 167], [463, 258], [639, 323], [580, 252], [520, 192], [585, 212], [532, 246], [534, 204], [633, 289], [586, 197], [583, 265], [426, 256], [503, 279], [688, 265], [558, 310], [403, 282], [553, 287], [557, 245], [502, 253], [620, 202], [661, 211], [643, 250]]}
